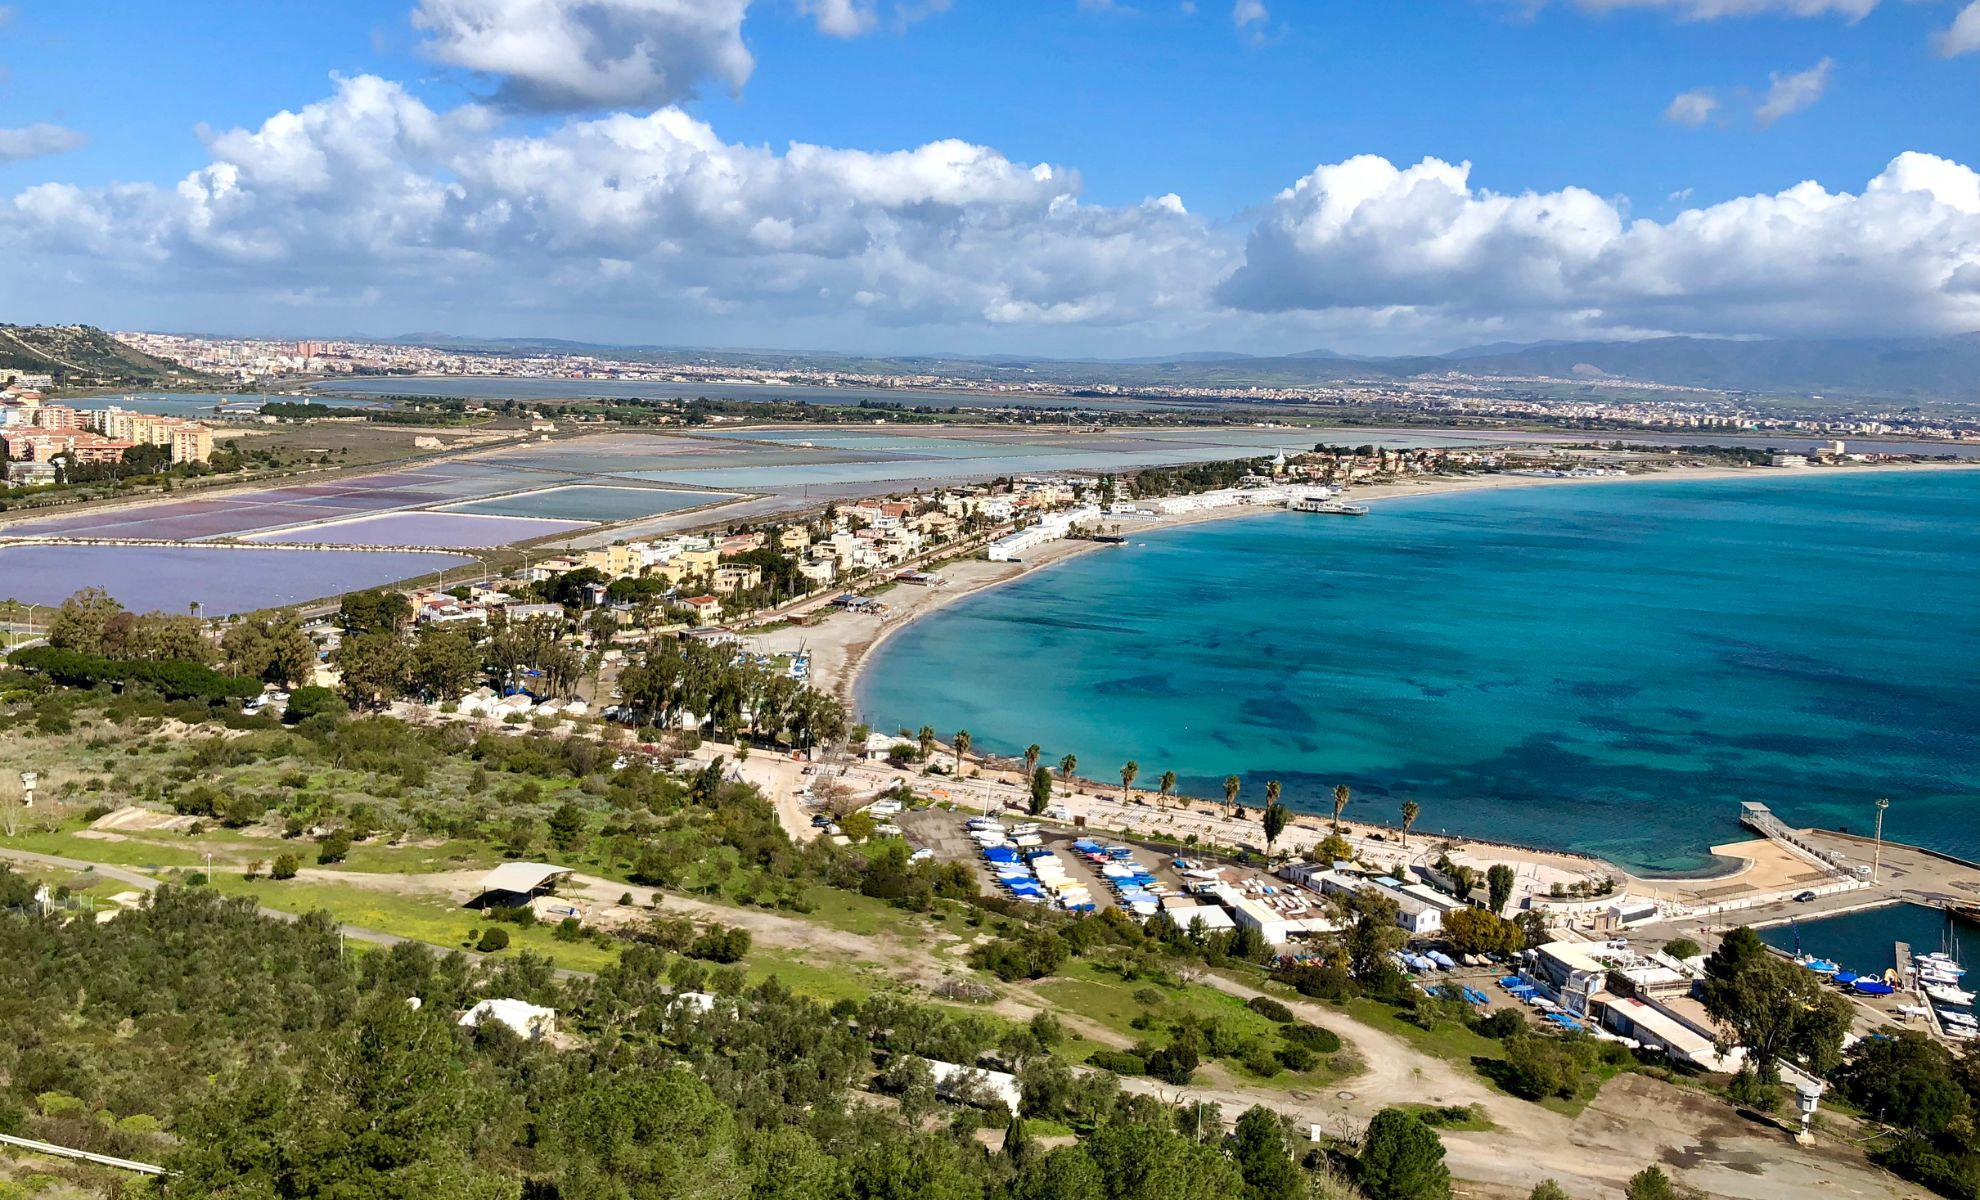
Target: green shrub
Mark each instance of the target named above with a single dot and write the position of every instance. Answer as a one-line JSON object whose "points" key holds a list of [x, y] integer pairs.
{"points": [[1312, 1037], [59, 1104], [1271, 1010], [1296, 1058], [334, 847], [492, 940], [285, 867], [1120, 1062]]}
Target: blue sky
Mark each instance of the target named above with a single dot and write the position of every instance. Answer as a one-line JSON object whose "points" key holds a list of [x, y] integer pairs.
{"points": [[1134, 100]]}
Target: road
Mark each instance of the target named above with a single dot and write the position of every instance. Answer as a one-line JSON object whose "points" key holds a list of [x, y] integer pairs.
{"points": [[1633, 1122]]}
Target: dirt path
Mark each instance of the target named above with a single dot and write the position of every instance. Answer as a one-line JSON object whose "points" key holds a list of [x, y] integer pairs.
{"points": [[1634, 1122]]}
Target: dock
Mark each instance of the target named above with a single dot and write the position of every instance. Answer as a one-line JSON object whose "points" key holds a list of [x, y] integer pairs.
{"points": [[1902, 953]]}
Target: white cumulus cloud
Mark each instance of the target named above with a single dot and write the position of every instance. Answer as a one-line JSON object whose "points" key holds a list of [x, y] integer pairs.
{"points": [[370, 209], [1366, 236], [841, 18], [371, 192], [35, 141], [569, 55], [1964, 35], [1789, 94], [1692, 108]]}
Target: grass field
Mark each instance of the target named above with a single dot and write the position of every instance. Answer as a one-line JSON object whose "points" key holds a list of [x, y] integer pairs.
{"points": [[433, 921], [1082, 989]]}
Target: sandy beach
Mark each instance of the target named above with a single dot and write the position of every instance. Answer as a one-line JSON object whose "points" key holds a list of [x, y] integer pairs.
{"points": [[841, 644]]}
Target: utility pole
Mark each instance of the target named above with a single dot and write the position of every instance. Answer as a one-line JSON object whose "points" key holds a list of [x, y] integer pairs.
{"points": [[1877, 859]]}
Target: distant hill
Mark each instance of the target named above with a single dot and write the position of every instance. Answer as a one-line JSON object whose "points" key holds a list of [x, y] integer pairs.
{"points": [[1906, 370], [1944, 368], [84, 356], [1909, 370]]}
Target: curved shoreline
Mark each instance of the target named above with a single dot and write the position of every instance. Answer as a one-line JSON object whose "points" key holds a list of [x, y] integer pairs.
{"points": [[844, 681], [1722, 864]]}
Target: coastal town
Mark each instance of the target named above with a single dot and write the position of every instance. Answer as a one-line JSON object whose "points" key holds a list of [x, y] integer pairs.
{"points": [[919, 600], [702, 606], [46, 440]]}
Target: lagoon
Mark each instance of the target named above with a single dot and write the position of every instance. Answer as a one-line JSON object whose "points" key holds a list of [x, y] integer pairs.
{"points": [[1605, 668], [222, 580]]}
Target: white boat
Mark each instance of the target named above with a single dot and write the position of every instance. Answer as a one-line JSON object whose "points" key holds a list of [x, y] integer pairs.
{"points": [[1952, 1017], [1944, 994], [1914, 1010]]}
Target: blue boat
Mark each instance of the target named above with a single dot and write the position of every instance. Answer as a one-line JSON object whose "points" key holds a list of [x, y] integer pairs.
{"points": [[1873, 987], [1846, 977]]}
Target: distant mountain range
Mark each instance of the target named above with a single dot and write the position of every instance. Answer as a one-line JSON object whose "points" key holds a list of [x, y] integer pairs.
{"points": [[84, 356], [1920, 370]]}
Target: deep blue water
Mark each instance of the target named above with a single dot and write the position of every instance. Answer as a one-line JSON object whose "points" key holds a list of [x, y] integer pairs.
{"points": [[1862, 941], [1604, 668]]}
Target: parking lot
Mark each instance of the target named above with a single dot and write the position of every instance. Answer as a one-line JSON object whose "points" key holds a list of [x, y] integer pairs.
{"points": [[947, 836]]}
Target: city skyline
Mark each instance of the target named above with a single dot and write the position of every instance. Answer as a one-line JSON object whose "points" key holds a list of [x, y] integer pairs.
{"points": [[904, 178]]}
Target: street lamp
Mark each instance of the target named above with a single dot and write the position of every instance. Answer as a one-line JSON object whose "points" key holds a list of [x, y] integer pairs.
{"points": [[1877, 858]]}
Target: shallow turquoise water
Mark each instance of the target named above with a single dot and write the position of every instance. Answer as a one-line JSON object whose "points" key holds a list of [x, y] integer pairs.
{"points": [[1607, 668]]}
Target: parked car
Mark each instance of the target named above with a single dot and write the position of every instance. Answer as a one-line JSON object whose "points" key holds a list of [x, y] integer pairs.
{"points": [[1804, 897]]}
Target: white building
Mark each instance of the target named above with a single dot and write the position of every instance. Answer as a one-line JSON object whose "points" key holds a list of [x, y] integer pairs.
{"points": [[528, 1020], [1050, 528], [992, 1088]]}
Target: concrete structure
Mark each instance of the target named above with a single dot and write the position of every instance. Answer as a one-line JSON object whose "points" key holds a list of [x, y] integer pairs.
{"points": [[1419, 909], [995, 1089], [1187, 910], [1655, 1026], [516, 883], [1050, 528]]}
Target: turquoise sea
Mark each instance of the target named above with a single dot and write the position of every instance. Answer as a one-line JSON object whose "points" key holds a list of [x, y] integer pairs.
{"points": [[1608, 668]]}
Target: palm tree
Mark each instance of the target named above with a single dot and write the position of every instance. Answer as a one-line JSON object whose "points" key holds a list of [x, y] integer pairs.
{"points": [[1410, 809], [1129, 770], [962, 748], [1168, 785], [1341, 796], [1231, 785], [1275, 818], [1067, 766], [1032, 754], [927, 739]]}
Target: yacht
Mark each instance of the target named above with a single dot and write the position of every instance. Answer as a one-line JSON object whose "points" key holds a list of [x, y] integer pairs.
{"points": [[1947, 994]]}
